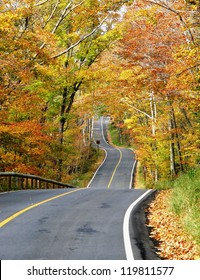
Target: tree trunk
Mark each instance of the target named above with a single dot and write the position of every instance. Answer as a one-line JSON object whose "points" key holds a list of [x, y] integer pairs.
{"points": [[184, 112], [172, 149], [153, 112], [153, 128], [64, 111], [177, 138]]}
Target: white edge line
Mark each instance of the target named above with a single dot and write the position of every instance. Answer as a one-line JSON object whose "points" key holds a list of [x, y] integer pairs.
{"points": [[3, 193], [105, 155], [102, 132], [126, 230], [133, 168], [12, 191], [98, 168], [117, 148]]}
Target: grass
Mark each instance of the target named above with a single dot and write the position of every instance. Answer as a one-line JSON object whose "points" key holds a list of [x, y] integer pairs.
{"points": [[185, 202], [82, 179], [114, 137], [139, 178]]}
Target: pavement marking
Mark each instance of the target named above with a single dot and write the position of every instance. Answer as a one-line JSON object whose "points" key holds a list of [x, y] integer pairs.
{"points": [[126, 230], [106, 154], [132, 172], [3, 193], [102, 132], [15, 215], [120, 158]]}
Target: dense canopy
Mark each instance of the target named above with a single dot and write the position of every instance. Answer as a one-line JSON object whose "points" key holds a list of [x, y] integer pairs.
{"points": [[64, 62]]}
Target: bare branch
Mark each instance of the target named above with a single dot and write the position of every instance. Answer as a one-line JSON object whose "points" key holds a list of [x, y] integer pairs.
{"points": [[63, 15], [123, 100], [41, 3], [81, 39], [52, 13]]}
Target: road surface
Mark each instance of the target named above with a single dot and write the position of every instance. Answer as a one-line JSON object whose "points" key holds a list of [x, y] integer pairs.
{"points": [[117, 169], [75, 224]]}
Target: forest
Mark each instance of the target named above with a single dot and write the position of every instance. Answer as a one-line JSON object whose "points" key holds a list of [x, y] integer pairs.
{"points": [[64, 62]]}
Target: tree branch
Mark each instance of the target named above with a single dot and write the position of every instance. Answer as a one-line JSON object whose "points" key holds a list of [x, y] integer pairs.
{"points": [[52, 13], [63, 15], [188, 69], [40, 3], [163, 5], [81, 39], [136, 109]]}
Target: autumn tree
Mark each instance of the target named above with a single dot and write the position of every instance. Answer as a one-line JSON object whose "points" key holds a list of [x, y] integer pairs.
{"points": [[154, 86], [48, 48], [22, 138]]}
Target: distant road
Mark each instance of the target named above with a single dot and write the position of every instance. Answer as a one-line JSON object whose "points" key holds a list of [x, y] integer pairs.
{"points": [[117, 169], [91, 223]]}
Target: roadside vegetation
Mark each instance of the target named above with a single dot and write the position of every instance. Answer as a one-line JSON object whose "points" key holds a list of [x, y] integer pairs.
{"points": [[118, 137], [83, 178], [137, 61], [138, 64], [174, 217], [174, 214], [185, 202]]}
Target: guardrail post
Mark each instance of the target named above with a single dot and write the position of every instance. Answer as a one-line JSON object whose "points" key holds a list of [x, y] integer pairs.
{"points": [[26, 185], [22, 182], [12, 180], [31, 183], [9, 183]]}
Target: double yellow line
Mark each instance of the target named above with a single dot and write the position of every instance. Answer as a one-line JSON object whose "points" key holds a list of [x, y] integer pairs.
{"points": [[120, 158], [17, 214]]}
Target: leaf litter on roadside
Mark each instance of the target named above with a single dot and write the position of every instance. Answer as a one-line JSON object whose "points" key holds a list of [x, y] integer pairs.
{"points": [[166, 228]]}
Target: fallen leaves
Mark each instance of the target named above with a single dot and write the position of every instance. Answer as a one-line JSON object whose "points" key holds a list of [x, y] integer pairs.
{"points": [[166, 229]]}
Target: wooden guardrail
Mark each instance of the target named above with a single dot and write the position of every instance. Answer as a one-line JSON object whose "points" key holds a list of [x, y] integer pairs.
{"points": [[12, 181]]}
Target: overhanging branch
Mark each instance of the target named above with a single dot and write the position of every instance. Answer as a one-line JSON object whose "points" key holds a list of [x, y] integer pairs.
{"points": [[81, 39], [41, 3], [135, 108]]}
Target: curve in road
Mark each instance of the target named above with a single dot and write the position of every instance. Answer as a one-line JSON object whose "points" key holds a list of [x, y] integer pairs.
{"points": [[117, 169], [91, 223]]}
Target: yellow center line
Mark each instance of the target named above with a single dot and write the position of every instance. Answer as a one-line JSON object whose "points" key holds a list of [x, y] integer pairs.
{"points": [[15, 215], [120, 158]]}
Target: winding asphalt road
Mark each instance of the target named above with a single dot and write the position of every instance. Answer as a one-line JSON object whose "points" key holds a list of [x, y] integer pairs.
{"points": [[88, 224], [117, 169]]}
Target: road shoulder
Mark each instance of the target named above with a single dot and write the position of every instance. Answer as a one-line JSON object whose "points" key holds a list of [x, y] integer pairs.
{"points": [[144, 246]]}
